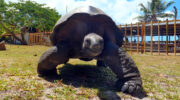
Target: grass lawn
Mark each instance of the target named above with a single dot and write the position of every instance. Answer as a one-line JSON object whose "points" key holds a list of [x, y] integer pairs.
{"points": [[81, 80]]}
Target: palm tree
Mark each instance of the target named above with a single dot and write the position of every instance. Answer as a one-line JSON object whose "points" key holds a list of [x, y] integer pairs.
{"points": [[155, 9]]}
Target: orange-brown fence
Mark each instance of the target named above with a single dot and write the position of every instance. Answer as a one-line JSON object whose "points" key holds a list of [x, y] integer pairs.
{"points": [[42, 38], [152, 37]]}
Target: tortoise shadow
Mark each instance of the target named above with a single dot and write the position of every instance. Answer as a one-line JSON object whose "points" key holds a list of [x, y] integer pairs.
{"points": [[89, 76]]}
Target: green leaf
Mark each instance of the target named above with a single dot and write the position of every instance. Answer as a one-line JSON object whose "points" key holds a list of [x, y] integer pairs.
{"points": [[154, 9]]}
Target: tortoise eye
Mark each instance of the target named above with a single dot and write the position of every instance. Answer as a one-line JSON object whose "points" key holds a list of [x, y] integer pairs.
{"points": [[88, 42]]}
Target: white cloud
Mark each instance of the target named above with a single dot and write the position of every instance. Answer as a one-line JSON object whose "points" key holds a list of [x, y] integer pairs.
{"points": [[167, 12], [121, 11]]}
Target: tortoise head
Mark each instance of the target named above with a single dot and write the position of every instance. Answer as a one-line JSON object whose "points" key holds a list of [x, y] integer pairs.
{"points": [[93, 45]]}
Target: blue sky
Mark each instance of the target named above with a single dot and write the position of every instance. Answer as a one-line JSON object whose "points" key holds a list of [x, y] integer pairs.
{"points": [[121, 11], [177, 4]]}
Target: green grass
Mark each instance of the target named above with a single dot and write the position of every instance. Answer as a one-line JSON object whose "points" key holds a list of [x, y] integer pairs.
{"points": [[81, 80]]}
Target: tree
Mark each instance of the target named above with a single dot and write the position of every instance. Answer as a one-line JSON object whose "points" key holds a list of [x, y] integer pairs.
{"points": [[2, 11], [19, 17], [155, 9]]}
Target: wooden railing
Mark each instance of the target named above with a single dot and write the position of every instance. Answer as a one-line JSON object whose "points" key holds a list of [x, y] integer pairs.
{"points": [[160, 29], [42, 38]]}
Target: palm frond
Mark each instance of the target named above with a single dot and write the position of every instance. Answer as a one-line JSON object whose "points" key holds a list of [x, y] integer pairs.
{"points": [[169, 4], [143, 8], [163, 15], [139, 17], [155, 8]]}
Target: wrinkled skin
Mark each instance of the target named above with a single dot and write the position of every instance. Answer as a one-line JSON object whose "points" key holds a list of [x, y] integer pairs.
{"points": [[95, 38]]}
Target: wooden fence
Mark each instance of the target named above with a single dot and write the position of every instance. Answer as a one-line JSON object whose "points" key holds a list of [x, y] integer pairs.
{"points": [[164, 29], [42, 38]]}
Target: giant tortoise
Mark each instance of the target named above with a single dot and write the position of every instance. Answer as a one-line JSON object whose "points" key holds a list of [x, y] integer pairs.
{"points": [[88, 33]]}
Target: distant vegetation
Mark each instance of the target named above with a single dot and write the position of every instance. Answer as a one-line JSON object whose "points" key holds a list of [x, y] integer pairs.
{"points": [[18, 17], [154, 10]]}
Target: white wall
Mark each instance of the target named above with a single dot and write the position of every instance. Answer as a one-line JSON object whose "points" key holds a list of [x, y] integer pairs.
{"points": [[26, 38]]}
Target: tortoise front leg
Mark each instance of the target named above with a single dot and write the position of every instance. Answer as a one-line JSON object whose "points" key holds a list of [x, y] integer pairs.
{"points": [[51, 58], [123, 66]]}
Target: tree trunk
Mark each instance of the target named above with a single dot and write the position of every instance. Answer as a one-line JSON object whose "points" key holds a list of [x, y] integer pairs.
{"points": [[22, 40], [175, 12], [2, 46]]}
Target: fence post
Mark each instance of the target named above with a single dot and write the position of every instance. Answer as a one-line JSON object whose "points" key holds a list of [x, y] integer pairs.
{"points": [[144, 37], [175, 36], [39, 38], [33, 38], [158, 38], [125, 37], [151, 37], [137, 37], [167, 36]]}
